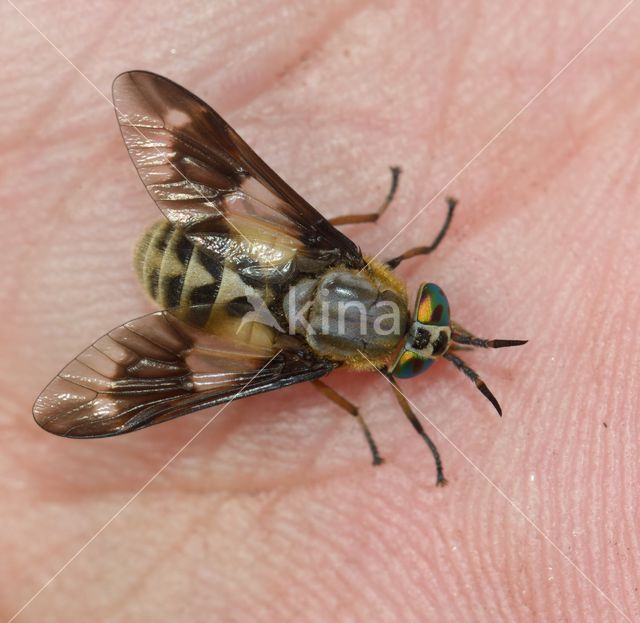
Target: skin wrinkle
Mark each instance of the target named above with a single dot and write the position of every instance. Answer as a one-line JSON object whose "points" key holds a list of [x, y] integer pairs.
{"points": [[161, 555], [504, 557], [420, 571], [494, 559], [459, 599], [490, 559], [313, 594], [379, 594], [626, 526], [277, 556], [280, 70], [380, 574], [603, 282], [556, 182], [454, 71], [316, 43], [232, 525]]}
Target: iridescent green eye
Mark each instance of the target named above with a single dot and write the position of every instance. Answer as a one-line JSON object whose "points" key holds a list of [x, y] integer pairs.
{"points": [[429, 335], [432, 306], [409, 364]]}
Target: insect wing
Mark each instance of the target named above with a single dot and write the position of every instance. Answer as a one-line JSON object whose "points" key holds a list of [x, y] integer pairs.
{"points": [[208, 181], [157, 367]]}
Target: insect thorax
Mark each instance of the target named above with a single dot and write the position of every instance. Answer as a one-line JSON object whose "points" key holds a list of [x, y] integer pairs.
{"points": [[349, 316]]}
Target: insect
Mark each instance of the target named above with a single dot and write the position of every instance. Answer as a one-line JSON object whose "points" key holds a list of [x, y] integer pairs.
{"points": [[258, 290]]}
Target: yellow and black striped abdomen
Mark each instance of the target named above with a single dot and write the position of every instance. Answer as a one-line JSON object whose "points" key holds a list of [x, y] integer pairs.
{"points": [[175, 273]]}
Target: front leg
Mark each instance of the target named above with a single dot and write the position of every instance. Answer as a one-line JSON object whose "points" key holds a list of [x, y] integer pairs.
{"points": [[441, 481], [372, 217]]}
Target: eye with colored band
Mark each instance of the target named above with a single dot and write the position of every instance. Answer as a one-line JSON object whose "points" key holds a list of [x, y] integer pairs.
{"points": [[432, 306], [408, 365]]}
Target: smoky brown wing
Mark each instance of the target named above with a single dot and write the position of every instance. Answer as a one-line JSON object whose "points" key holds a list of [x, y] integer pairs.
{"points": [[208, 181], [157, 368]]}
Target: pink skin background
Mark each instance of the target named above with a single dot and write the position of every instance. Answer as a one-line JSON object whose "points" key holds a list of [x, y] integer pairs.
{"points": [[274, 512]]}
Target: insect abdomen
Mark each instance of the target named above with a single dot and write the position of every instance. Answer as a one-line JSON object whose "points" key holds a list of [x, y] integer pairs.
{"points": [[175, 273]]}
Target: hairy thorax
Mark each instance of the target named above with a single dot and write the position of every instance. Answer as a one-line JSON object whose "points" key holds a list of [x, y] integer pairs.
{"points": [[356, 317]]}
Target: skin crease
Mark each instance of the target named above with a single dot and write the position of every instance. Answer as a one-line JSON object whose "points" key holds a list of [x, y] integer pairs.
{"points": [[274, 512]]}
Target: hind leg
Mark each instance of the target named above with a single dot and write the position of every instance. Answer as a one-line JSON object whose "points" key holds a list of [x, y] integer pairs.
{"points": [[371, 217], [350, 408]]}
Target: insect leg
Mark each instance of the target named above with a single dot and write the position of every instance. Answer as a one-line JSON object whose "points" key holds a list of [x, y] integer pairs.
{"points": [[472, 374], [441, 481], [372, 217], [393, 263], [349, 407]]}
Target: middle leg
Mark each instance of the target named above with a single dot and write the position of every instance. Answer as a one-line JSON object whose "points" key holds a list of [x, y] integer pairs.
{"points": [[425, 250]]}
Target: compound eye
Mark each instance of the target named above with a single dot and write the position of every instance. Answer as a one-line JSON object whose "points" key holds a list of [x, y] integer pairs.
{"points": [[409, 364], [432, 306]]}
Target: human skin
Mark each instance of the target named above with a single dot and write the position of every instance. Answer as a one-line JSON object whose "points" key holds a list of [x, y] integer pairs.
{"points": [[274, 512]]}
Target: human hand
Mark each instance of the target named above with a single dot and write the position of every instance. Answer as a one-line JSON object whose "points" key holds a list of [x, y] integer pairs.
{"points": [[274, 512]]}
